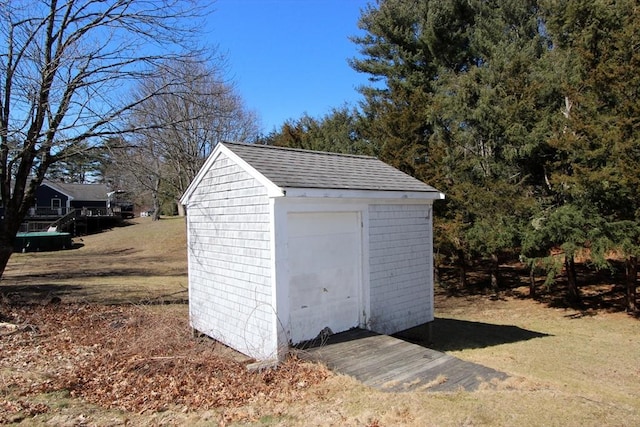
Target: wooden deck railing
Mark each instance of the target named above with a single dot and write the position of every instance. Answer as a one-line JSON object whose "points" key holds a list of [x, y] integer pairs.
{"points": [[48, 212], [61, 222]]}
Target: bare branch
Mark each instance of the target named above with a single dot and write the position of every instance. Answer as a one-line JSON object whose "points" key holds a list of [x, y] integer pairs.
{"points": [[67, 70], [178, 128]]}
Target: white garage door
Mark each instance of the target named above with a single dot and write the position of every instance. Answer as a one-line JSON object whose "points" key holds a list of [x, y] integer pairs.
{"points": [[324, 271]]}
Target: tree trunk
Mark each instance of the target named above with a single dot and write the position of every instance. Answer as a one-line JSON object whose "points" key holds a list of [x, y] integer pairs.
{"points": [[573, 291], [495, 272], [9, 227], [6, 249], [462, 269], [532, 281], [156, 209], [155, 196], [632, 282]]}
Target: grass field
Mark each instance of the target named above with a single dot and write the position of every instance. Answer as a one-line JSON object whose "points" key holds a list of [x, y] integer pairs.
{"points": [[116, 350]]}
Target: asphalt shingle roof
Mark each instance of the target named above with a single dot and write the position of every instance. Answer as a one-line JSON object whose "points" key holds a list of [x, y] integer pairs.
{"points": [[294, 168], [86, 192]]}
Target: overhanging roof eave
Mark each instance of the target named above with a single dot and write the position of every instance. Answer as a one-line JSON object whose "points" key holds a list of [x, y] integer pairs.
{"points": [[358, 193]]}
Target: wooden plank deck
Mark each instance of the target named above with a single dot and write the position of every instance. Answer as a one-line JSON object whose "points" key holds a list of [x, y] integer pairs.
{"points": [[391, 364]]}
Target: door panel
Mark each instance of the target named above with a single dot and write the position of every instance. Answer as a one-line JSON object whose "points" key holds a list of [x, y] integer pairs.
{"points": [[325, 272]]}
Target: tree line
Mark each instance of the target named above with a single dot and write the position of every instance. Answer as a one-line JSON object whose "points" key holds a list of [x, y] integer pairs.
{"points": [[524, 112]]}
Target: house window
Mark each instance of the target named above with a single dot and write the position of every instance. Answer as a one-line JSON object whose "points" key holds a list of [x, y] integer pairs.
{"points": [[56, 206]]}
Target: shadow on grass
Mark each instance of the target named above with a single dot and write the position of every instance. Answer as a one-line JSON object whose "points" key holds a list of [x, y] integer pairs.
{"points": [[453, 334], [80, 274], [43, 294], [17, 295]]}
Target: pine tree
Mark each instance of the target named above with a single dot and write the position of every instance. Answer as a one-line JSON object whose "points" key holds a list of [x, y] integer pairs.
{"points": [[454, 106], [595, 163]]}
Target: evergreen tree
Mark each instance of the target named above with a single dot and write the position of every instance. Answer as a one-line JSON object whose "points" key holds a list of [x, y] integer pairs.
{"points": [[80, 166], [455, 105], [596, 141], [407, 45], [491, 113], [337, 132]]}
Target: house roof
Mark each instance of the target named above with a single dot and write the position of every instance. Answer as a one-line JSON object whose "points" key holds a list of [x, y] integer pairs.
{"points": [[84, 192], [294, 168]]}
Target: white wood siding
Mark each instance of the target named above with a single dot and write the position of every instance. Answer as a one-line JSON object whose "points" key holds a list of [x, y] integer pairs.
{"points": [[400, 262], [230, 290]]}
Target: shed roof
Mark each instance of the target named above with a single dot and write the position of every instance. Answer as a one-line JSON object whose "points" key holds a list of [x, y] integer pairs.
{"points": [[295, 168], [86, 192]]}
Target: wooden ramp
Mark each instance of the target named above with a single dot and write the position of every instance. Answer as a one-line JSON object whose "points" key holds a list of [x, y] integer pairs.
{"points": [[391, 364]]}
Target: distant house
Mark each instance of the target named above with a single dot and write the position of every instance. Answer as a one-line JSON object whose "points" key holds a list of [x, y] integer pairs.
{"points": [[58, 199], [76, 208], [285, 245]]}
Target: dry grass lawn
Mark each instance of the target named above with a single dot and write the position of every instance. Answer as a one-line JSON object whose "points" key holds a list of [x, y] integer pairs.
{"points": [[582, 369], [144, 261]]}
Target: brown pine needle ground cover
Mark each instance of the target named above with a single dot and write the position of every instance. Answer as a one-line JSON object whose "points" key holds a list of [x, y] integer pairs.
{"points": [[116, 349]]}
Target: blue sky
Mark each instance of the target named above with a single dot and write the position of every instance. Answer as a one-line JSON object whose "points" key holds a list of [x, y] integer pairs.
{"points": [[289, 57]]}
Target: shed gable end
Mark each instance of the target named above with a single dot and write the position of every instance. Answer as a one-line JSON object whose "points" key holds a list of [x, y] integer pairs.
{"points": [[229, 259]]}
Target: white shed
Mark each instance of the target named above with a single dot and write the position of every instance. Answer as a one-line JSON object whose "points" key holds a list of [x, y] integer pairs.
{"points": [[283, 243]]}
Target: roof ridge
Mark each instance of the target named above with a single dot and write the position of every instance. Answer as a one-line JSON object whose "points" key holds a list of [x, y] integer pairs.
{"points": [[48, 181], [301, 150]]}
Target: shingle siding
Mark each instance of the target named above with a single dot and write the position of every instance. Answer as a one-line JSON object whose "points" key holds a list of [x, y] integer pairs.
{"points": [[229, 260], [400, 260]]}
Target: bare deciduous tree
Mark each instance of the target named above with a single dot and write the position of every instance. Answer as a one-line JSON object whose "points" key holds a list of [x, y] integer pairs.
{"points": [[65, 68], [202, 110]]}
